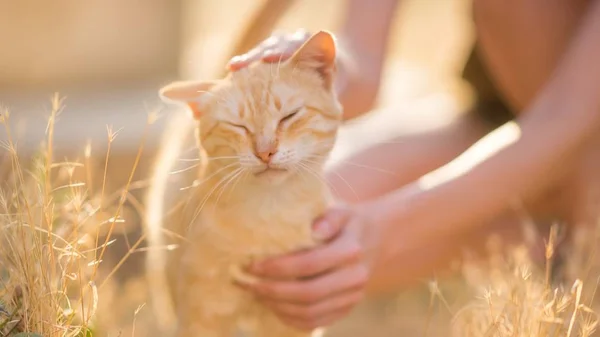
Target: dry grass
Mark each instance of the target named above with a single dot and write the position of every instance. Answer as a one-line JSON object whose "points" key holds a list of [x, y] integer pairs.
{"points": [[56, 227], [515, 298], [54, 232]]}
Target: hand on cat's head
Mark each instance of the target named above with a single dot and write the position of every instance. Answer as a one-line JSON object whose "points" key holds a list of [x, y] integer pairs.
{"points": [[269, 115], [300, 51], [276, 48]]}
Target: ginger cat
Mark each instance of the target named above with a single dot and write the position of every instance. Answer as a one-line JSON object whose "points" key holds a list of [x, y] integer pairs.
{"points": [[264, 134]]}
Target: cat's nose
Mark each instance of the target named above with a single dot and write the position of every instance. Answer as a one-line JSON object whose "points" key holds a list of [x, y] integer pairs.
{"points": [[265, 147], [266, 155]]}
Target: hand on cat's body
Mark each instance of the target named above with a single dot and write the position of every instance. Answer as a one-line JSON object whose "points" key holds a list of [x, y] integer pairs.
{"points": [[317, 287]]}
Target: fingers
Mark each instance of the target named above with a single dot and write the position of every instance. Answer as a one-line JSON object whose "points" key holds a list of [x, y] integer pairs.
{"points": [[312, 290], [312, 314], [285, 49], [331, 223], [275, 56], [339, 250], [343, 250], [242, 61], [276, 48]]}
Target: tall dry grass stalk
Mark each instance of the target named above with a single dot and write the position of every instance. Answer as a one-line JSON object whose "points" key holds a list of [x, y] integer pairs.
{"points": [[518, 299], [50, 252]]}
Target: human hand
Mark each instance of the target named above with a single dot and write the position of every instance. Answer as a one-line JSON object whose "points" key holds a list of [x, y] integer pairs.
{"points": [[315, 288], [276, 48]]}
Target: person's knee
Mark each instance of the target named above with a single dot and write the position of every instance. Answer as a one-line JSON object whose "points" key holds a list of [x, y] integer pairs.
{"points": [[496, 13], [503, 12], [486, 10]]}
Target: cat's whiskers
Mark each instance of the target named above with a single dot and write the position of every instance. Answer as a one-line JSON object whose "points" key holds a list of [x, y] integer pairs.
{"points": [[319, 177], [197, 183], [185, 169], [296, 170], [325, 145], [209, 194], [189, 149], [223, 157], [242, 177], [224, 187], [188, 160], [339, 176], [199, 160], [355, 164]]}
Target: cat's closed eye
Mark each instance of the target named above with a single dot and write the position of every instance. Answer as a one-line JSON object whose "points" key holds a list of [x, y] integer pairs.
{"points": [[238, 126], [290, 115]]}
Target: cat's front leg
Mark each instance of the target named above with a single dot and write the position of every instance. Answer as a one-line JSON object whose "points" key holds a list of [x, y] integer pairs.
{"points": [[206, 328], [271, 326], [206, 314], [208, 303]]}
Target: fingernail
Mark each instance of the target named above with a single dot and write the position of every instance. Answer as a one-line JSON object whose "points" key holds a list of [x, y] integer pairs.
{"points": [[270, 56], [322, 230], [236, 59]]}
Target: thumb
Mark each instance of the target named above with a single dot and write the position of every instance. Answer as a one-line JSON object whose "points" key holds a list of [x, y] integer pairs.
{"points": [[330, 224]]}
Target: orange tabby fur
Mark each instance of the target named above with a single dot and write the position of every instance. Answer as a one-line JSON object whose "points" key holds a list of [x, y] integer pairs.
{"points": [[264, 134]]}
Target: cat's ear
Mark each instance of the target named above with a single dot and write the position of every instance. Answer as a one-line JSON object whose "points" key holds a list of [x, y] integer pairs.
{"points": [[188, 93], [318, 54]]}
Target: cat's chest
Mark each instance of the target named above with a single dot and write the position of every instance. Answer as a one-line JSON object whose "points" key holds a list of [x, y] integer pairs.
{"points": [[257, 227]]}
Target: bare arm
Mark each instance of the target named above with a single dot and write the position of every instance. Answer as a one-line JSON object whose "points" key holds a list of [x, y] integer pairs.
{"points": [[365, 32], [402, 225], [391, 165], [553, 131]]}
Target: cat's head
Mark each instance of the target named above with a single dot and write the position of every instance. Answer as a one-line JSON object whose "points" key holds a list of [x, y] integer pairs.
{"points": [[273, 120]]}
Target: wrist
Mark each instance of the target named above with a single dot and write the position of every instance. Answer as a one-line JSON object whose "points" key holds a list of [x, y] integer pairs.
{"points": [[393, 208], [382, 245], [384, 217]]}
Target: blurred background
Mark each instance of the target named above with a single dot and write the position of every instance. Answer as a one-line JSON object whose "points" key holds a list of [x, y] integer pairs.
{"points": [[110, 57]]}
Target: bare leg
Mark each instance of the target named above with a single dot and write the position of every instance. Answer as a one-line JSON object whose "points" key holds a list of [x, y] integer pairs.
{"points": [[522, 41], [521, 57]]}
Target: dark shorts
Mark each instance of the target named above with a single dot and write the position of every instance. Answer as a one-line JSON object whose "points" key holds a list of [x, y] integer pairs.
{"points": [[488, 102]]}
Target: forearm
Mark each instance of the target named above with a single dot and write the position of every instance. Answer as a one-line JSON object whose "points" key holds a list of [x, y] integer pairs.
{"points": [[565, 115], [433, 258], [365, 34], [391, 165]]}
